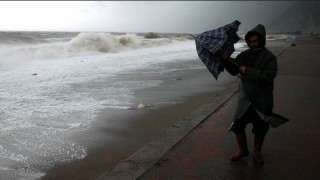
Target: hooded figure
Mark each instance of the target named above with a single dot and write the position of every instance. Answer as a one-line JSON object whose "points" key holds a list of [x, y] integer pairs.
{"points": [[256, 87], [258, 68]]}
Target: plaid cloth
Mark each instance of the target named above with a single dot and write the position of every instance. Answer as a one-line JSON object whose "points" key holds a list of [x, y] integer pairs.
{"points": [[211, 44]]}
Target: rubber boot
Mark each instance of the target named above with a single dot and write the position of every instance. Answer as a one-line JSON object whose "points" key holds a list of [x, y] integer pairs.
{"points": [[242, 145], [257, 157]]}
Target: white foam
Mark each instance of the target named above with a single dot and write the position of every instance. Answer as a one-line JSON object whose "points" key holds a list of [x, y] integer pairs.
{"points": [[100, 42], [240, 45], [271, 37]]}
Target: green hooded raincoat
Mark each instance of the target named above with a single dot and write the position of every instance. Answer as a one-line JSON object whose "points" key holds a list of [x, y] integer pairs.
{"points": [[256, 86]]}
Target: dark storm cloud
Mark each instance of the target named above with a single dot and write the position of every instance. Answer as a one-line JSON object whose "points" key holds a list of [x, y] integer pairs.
{"points": [[184, 16]]}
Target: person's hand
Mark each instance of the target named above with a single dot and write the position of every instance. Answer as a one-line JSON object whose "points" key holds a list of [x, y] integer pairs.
{"points": [[242, 69]]}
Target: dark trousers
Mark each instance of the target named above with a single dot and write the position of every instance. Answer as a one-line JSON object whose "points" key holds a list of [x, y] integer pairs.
{"points": [[260, 127]]}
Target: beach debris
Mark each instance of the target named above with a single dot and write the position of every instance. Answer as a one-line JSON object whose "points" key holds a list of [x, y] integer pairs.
{"points": [[139, 106], [179, 79], [84, 60], [34, 74], [143, 106]]}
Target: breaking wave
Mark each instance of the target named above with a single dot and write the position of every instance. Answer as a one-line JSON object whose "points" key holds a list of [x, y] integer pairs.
{"points": [[79, 45], [105, 42], [100, 42]]}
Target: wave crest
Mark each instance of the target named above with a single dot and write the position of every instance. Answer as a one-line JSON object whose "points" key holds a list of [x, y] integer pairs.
{"points": [[87, 43], [128, 40], [101, 42]]}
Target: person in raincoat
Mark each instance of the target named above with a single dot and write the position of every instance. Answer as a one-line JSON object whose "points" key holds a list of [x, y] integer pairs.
{"points": [[257, 67]]}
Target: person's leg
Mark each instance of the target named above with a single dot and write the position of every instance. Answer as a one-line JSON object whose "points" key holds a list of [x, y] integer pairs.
{"points": [[260, 129], [258, 142], [242, 146], [238, 128]]}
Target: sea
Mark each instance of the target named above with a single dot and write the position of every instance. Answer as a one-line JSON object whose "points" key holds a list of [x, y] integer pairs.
{"points": [[53, 84]]}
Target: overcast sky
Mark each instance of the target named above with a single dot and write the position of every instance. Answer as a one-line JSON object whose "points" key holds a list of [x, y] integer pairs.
{"points": [[136, 16]]}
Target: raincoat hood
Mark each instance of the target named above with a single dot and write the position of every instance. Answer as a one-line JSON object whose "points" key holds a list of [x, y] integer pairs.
{"points": [[260, 30]]}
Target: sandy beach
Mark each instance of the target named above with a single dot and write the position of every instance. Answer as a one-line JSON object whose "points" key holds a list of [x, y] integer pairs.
{"points": [[109, 146]]}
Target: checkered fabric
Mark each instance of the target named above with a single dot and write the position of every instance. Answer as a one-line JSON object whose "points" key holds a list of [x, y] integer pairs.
{"points": [[211, 44]]}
